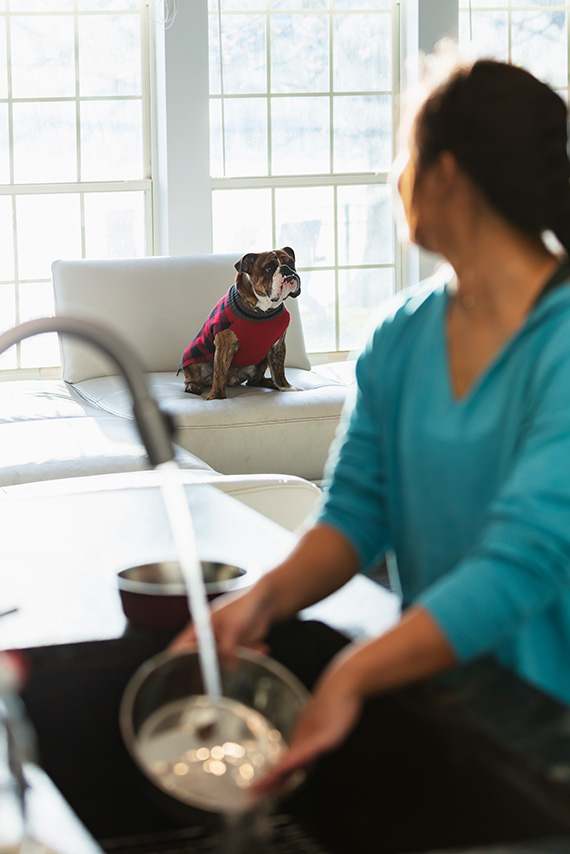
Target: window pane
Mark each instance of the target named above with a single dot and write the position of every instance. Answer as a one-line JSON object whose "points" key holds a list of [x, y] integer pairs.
{"points": [[41, 5], [489, 31], [540, 44], [299, 4], [365, 225], [360, 293], [300, 136], [114, 225], [40, 351], [304, 220], [242, 221], [7, 232], [246, 136], [362, 133], [362, 4], [111, 140], [3, 67], [317, 307], [214, 55], [109, 55], [240, 5], [110, 5], [7, 321], [243, 51], [49, 227], [537, 3], [43, 64], [4, 146], [44, 142], [299, 53], [485, 3], [362, 64]]}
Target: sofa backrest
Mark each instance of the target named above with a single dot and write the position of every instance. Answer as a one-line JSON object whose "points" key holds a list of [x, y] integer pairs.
{"points": [[157, 304]]}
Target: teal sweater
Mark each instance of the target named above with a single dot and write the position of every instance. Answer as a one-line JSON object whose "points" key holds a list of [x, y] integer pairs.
{"points": [[472, 495]]}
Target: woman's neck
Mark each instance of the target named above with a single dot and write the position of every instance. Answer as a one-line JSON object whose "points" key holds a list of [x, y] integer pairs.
{"points": [[498, 282], [500, 273]]}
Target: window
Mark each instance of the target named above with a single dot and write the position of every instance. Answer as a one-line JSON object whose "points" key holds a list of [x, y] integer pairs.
{"points": [[301, 121], [73, 153], [531, 34]]}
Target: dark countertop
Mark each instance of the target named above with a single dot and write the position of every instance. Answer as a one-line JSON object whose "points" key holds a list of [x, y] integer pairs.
{"points": [[476, 757]]}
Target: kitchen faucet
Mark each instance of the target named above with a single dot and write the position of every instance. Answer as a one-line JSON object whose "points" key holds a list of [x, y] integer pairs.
{"points": [[155, 428]]}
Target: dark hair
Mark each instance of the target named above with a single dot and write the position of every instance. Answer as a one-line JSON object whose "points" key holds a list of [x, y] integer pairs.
{"points": [[508, 132]]}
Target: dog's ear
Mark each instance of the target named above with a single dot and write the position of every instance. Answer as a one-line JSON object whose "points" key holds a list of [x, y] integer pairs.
{"points": [[289, 251], [245, 265]]}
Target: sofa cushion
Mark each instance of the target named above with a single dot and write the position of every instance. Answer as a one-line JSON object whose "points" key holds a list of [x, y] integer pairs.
{"points": [[157, 304], [254, 430], [48, 431], [33, 400]]}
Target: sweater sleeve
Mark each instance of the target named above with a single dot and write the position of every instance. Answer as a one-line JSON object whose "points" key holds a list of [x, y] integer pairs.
{"points": [[355, 490], [521, 563]]}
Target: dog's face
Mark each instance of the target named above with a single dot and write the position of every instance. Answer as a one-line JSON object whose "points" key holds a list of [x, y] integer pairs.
{"points": [[266, 279]]}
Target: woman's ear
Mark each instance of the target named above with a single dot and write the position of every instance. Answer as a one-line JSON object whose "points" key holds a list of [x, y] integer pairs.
{"points": [[445, 174]]}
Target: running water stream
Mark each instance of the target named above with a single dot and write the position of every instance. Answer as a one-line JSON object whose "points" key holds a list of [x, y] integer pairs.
{"points": [[182, 527], [205, 749]]}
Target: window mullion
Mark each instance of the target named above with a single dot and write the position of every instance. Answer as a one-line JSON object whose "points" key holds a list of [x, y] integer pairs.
{"points": [[222, 87], [77, 90], [14, 234], [269, 97]]}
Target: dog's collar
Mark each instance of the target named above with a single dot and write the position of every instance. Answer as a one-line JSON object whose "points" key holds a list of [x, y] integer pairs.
{"points": [[241, 310]]}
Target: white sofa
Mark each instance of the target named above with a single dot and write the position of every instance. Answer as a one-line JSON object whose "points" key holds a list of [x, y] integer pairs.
{"points": [[159, 305], [264, 447]]}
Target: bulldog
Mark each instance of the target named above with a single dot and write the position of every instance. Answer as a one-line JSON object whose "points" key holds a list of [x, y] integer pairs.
{"points": [[245, 332]]}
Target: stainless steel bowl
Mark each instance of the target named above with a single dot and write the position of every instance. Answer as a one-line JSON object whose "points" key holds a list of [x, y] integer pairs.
{"points": [[171, 680], [154, 595]]}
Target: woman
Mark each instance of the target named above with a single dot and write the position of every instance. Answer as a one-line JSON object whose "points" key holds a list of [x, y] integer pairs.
{"points": [[456, 451]]}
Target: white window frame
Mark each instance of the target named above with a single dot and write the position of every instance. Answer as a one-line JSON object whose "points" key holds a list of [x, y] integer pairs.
{"points": [[81, 188], [177, 180], [181, 144]]}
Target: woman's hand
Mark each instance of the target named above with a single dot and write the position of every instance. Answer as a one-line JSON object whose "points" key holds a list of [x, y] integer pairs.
{"points": [[412, 649], [239, 619], [324, 724], [320, 563]]}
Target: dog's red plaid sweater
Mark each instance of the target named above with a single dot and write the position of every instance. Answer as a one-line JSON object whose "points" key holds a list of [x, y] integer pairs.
{"points": [[257, 332]]}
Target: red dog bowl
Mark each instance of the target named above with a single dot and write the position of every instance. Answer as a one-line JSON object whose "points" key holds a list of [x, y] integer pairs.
{"points": [[154, 595]]}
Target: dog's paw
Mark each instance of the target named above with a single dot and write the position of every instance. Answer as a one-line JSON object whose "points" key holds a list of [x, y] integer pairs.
{"points": [[217, 395], [290, 388], [193, 389]]}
